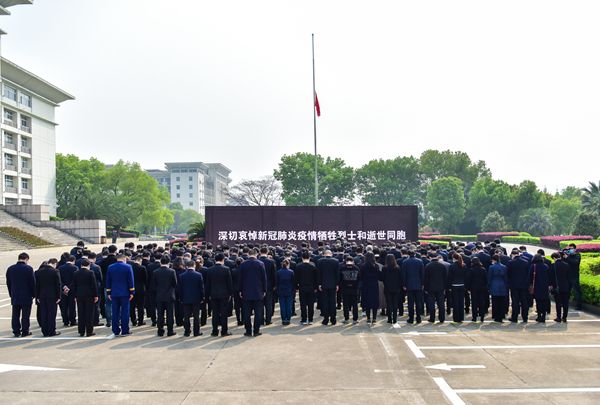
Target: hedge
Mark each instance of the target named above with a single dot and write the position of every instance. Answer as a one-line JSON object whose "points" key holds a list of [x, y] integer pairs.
{"points": [[24, 237], [554, 241], [433, 242], [530, 240], [590, 288], [590, 265], [589, 248], [462, 238], [436, 237], [483, 236], [563, 244]]}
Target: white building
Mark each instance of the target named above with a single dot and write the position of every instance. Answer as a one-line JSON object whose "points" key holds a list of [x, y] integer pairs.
{"points": [[27, 159], [195, 184]]}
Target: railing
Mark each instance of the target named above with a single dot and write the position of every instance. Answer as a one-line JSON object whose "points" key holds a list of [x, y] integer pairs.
{"points": [[26, 149], [26, 191], [11, 146], [26, 170], [10, 123], [26, 129], [10, 167], [10, 190]]}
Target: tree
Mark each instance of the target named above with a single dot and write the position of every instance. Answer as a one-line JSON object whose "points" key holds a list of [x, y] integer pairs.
{"points": [[587, 223], [446, 203], [564, 212], [296, 174], [437, 164], [590, 198], [487, 196], [536, 221], [197, 230], [494, 222], [571, 193], [78, 191], [391, 182], [524, 197], [183, 219], [265, 191]]}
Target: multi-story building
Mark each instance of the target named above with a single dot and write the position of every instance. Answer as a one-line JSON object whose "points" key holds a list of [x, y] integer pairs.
{"points": [[195, 184], [28, 145]]}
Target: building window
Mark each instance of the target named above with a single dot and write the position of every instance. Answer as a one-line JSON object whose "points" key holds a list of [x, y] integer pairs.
{"points": [[10, 93], [9, 138], [9, 159], [10, 201], [25, 123], [191, 187], [24, 163], [24, 143], [178, 187], [178, 196], [177, 179], [191, 204], [9, 182], [190, 178], [24, 184], [9, 117], [25, 99], [191, 195]]}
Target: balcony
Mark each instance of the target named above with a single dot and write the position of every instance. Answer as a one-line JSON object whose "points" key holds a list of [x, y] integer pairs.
{"points": [[26, 129], [26, 191], [10, 123], [26, 149], [26, 170], [10, 190], [10, 167], [10, 146]]}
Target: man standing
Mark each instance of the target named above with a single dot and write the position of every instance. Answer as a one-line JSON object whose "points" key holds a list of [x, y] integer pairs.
{"points": [[271, 270], [67, 303], [574, 261], [329, 279], [219, 289], [191, 291], [106, 262], [413, 274], [120, 290], [307, 284], [98, 274], [47, 284], [435, 284], [518, 282], [253, 286], [164, 284], [85, 291], [20, 282], [350, 277], [140, 280]]}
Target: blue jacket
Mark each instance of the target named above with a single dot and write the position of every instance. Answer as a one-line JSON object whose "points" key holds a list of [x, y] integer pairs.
{"points": [[119, 280], [21, 284], [518, 273], [413, 272], [191, 287], [253, 279], [285, 282], [498, 280]]}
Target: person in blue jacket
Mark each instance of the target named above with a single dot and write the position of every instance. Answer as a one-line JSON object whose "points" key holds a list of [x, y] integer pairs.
{"points": [[285, 291], [120, 290], [191, 293], [518, 282], [20, 282], [412, 281], [253, 287], [498, 286], [539, 281]]}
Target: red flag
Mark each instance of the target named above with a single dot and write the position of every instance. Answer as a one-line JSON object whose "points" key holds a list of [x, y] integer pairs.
{"points": [[317, 105]]}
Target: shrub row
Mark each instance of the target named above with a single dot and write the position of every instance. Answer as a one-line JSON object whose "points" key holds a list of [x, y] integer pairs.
{"points": [[436, 237], [554, 241], [563, 244], [588, 248], [590, 265], [462, 238], [24, 237], [483, 236], [433, 242], [590, 288], [529, 240]]}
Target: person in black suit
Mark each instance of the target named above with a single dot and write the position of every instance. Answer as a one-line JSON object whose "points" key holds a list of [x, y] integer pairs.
{"points": [[140, 280], [20, 281], [435, 282], [85, 291], [329, 283], [67, 302], [165, 283], [271, 270], [219, 288], [307, 283], [105, 303], [151, 292], [91, 256], [253, 287], [561, 285], [191, 292], [47, 285]]}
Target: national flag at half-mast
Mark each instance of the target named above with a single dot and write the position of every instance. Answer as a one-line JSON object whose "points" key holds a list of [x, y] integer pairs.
{"points": [[317, 106]]}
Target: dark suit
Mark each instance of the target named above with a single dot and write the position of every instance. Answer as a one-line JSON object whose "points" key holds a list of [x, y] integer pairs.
{"points": [[518, 282], [219, 289], [329, 279], [164, 283], [271, 271], [140, 281], [191, 293], [85, 289], [21, 289], [150, 292], [253, 285], [47, 285], [306, 283], [435, 282], [67, 301], [412, 280]]}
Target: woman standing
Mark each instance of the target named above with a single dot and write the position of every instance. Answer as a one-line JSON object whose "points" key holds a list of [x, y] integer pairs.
{"points": [[392, 285], [498, 285], [370, 276], [539, 285], [456, 281], [285, 291], [478, 286]]}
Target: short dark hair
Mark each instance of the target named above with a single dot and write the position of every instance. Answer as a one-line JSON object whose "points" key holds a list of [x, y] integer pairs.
{"points": [[305, 254], [53, 261], [71, 259], [23, 256], [112, 249], [219, 257], [165, 259], [252, 252], [81, 243], [85, 263]]}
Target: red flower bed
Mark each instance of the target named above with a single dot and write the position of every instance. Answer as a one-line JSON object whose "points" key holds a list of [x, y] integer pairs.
{"points": [[554, 241], [483, 236], [428, 234], [588, 247], [435, 237]]}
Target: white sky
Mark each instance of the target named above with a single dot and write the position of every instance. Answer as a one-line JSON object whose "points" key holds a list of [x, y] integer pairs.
{"points": [[515, 83]]}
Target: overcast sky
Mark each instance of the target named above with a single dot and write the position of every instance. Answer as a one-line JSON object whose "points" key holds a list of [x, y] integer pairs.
{"points": [[514, 83]]}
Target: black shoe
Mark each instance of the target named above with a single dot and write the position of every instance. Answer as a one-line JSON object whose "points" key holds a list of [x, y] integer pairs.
{"points": [[91, 334], [324, 323], [66, 325], [226, 334], [99, 324], [248, 334], [258, 334], [564, 320], [294, 314], [473, 319], [25, 334], [153, 323], [127, 334], [16, 334], [74, 324], [240, 323], [268, 323], [197, 334], [214, 334], [56, 333], [409, 321], [108, 325], [186, 334], [418, 320], [431, 320], [557, 320], [160, 333], [333, 322], [171, 333], [141, 323], [81, 334]]}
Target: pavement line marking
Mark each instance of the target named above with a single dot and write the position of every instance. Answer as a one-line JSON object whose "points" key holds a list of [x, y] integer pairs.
{"points": [[5, 305], [448, 392], [110, 337], [524, 390], [15, 367], [414, 348], [383, 371], [5, 299], [450, 367], [508, 347], [386, 345]]}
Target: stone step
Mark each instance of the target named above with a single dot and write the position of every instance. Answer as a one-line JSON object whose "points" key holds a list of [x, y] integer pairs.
{"points": [[52, 235], [7, 244]]}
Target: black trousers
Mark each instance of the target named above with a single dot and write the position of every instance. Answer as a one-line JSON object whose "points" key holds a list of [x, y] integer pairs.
{"points": [[458, 303], [329, 306], [338, 298], [562, 304], [161, 308], [415, 304], [437, 297], [20, 318], [102, 302], [576, 291], [520, 303], [542, 306], [350, 302], [219, 314], [256, 306], [137, 306], [178, 313], [85, 309], [307, 305], [467, 301], [401, 299], [191, 310], [478, 298], [268, 302], [203, 313], [151, 305], [67, 309], [391, 300], [498, 307], [47, 307], [237, 307]]}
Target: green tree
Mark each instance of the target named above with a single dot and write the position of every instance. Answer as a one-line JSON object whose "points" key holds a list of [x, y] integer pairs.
{"points": [[587, 223], [564, 212], [437, 164], [197, 230], [494, 222], [296, 174], [183, 219], [446, 203], [524, 197], [590, 198], [391, 182], [571, 193], [487, 196], [536, 221], [78, 191]]}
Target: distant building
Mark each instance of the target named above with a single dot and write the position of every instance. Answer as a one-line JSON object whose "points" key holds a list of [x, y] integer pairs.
{"points": [[194, 184]]}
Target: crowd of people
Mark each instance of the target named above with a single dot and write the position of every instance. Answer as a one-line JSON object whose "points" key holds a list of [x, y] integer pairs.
{"points": [[184, 285]]}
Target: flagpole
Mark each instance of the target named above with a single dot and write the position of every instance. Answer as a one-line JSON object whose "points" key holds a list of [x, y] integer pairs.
{"points": [[315, 124]]}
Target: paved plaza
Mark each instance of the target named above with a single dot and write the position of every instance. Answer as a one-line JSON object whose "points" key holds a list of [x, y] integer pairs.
{"points": [[473, 363]]}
